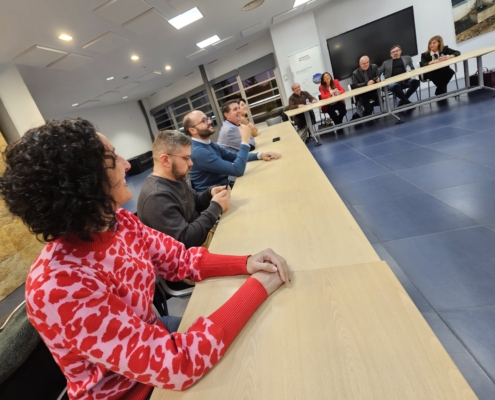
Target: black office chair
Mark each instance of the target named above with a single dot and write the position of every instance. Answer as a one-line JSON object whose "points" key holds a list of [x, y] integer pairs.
{"points": [[164, 290], [422, 78], [27, 369]]}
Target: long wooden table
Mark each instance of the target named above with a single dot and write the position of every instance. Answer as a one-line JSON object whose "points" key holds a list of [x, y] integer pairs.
{"points": [[344, 328], [390, 110]]}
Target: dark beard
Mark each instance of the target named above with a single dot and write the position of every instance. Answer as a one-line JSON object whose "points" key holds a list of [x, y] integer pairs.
{"points": [[178, 176], [205, 133]]}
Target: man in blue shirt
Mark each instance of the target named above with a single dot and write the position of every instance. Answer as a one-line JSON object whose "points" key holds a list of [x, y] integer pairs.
{"points": [[212, 164]]}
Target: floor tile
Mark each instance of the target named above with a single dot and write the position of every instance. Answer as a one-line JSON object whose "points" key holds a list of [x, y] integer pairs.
{"points": [[479, 123], [438, 135], [411, 128], [390, 147], [475, 327], [451, 269], [447, 173], [411, 158], [486, 158], [326, 160], [477, 378], [411, 290], [377, 189], [355, 172], [476, 200], [411, 216], [363, 225], [367, 140], [482, 141]]}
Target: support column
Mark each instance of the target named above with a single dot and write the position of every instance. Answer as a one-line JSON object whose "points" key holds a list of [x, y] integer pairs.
{"points": [[210, 96], [18, 111]]}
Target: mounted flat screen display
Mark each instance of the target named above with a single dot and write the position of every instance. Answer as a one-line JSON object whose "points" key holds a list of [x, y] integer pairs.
{"points": [[374, 40]]}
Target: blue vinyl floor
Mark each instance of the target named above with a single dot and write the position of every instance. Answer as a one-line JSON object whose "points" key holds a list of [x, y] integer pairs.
{"points": [[424, 194]]}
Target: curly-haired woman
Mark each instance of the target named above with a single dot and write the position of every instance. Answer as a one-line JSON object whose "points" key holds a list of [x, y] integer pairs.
{"points": [[89, 292]]}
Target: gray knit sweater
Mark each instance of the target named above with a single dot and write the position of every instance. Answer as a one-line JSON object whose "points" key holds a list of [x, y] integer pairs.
{"points": [[177, 210]]}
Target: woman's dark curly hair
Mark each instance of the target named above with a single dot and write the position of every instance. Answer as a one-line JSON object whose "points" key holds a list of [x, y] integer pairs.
{"points": [[56, 181]]}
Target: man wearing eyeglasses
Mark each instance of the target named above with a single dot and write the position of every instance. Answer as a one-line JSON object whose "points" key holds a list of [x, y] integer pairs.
{"points": [[298, 99], [212, 163], [168, 204], [397, 65]]}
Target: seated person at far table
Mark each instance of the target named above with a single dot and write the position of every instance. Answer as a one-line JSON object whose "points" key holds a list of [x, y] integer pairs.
{"points": [[229, 136], [167, 203], [244, 120], [398, 65], [89, 292], [438, 52], [331, 87], [298, 99], [212, 164], [366, 75]]}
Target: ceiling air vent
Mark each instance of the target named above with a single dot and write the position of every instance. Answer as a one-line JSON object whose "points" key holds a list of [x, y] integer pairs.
{"points": [[252, 5]]}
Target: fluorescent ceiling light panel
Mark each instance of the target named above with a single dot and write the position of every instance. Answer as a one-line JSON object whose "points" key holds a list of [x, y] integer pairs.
{"points": [[186, 18], [65, 37], [224, 42], [297, 3], [207, 42]]}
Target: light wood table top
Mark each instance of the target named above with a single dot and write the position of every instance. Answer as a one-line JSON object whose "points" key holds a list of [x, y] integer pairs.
{"points": [[290, 206], [335, 333], [391, 80]]}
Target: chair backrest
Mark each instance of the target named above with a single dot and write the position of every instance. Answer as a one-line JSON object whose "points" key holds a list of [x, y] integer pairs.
{"points": [[353, 98], [421, 77]]}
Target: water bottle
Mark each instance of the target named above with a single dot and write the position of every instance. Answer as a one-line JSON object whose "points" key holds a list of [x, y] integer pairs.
{"points": [[382, 77], [408, 68]]}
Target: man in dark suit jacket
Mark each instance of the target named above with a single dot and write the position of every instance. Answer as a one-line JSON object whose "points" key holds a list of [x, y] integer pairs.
{"points": [[398, 65], [366, 75]]}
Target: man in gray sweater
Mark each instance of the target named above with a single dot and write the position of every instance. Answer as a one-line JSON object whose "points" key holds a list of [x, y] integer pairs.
{"points": [[168, 204]]}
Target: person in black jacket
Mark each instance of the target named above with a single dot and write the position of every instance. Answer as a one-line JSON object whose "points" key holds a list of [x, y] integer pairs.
{"points": [[438, 52], [366, 75]]}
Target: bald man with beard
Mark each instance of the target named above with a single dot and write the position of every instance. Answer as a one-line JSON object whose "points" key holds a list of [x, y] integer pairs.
{"points": [[366, 75]]}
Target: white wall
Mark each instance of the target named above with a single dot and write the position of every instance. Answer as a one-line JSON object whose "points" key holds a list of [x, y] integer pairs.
{"points": [[431, 17], [123, 124], [291, 36]]}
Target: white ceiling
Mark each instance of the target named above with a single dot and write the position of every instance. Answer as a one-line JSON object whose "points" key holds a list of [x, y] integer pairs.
{"points": [[129, 27]]}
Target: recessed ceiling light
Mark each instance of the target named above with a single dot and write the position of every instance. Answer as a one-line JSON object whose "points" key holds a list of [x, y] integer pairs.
{"points": [[297, 3], [65, 37], [252, 5], [186, 18], [125, 97], [135, 58], [109, 78], [168, 67], [75, 105], [207, 42]]}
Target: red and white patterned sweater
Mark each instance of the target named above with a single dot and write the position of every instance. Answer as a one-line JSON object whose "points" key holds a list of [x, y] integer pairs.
{"points": [[91, 304]]}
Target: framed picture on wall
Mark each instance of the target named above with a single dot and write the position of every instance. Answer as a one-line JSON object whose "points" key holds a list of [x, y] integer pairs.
{"points": [[473, 18]]}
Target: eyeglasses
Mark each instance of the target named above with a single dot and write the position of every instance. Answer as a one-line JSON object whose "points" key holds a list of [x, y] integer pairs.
{"points": [[203, 121], [186, 159]]}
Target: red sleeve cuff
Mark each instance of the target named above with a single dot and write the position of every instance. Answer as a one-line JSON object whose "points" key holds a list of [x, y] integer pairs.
{"points": [[235, 313], [219, 265]]}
